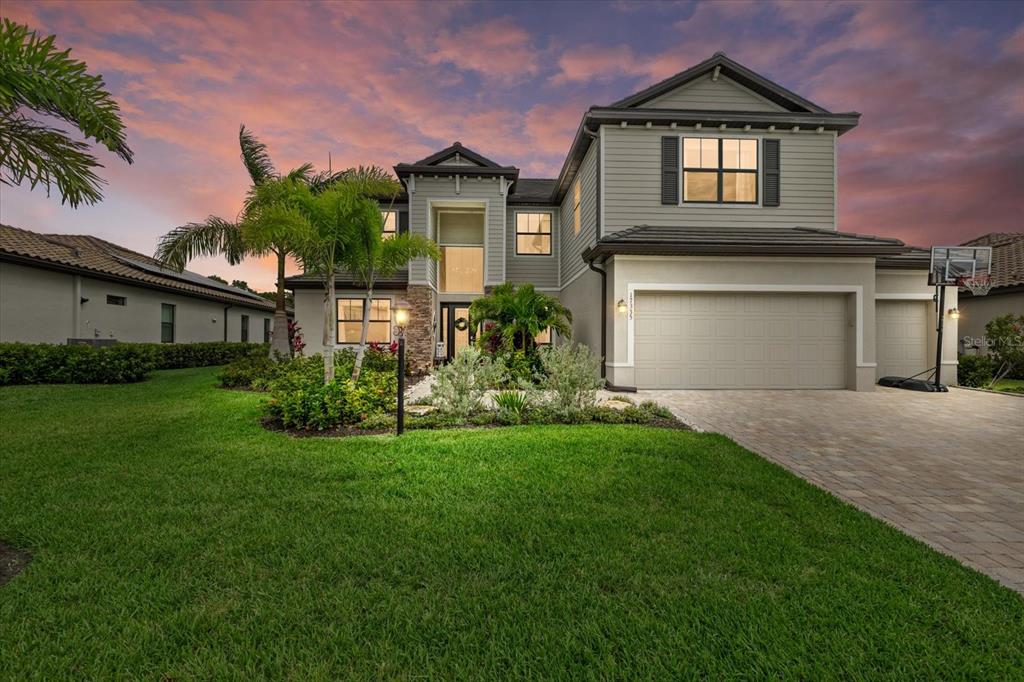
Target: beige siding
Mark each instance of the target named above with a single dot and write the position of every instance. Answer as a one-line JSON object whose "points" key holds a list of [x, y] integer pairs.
{"points": [[541, 271], [573, 243], [632, 183], [37, 306], [441, 189], [975, 313], [720, 95]]}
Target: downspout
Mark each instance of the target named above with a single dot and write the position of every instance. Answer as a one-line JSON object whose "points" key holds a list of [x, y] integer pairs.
{"points": [[226, 322], [604, 314]]}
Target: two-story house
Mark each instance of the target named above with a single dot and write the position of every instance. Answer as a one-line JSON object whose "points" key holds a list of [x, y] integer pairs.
{"points": [[692, 232]]}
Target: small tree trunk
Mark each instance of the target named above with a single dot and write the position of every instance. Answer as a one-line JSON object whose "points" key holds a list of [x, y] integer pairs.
{"points": [[357, 368], [330, 329], [279, 340]]}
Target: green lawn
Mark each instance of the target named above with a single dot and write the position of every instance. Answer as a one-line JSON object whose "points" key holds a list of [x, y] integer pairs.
{"points": [[1009, 385], [174, 538]]}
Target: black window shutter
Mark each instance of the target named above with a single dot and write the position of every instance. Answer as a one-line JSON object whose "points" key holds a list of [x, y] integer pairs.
{"points": [[670, 170], [772, 184], [403, 222]]}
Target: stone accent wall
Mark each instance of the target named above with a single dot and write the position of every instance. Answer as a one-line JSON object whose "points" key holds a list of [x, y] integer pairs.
{"points": [[420, 336]]}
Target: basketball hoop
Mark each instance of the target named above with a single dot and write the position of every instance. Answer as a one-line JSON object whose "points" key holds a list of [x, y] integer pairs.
{"points": [[978, 285]]}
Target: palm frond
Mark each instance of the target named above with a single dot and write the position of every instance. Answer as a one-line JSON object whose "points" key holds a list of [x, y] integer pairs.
{"points": [[215, 236], [255, 157], [46, 156], [35, 74]]}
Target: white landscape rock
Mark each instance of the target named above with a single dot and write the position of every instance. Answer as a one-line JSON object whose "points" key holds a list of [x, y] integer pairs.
{"points": [[615, 404]]}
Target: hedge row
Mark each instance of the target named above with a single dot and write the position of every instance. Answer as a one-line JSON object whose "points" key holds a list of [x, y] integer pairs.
{"points": [[122, 363]]}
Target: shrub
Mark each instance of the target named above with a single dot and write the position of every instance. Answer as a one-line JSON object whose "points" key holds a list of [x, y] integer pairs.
{"points": [[571, 380], [207, 354], [511, 405], [299, 398], [22, 363], [655, 410], [460, 385], [975, 371], [521, 366], [248, 372], [1005, 335]]}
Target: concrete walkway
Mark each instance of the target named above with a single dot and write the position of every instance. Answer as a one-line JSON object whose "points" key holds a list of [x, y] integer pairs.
{"points": [[947, 469]]}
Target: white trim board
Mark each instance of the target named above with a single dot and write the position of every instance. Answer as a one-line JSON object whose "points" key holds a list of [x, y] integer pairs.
{"points": [[635, 287], [904, 297]]}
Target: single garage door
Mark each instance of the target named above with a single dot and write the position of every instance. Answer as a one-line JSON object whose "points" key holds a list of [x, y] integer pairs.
{"points": [[727, 340], [902, 337]]}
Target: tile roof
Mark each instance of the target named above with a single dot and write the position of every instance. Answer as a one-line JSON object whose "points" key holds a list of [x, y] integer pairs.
{"points": [[1007, 257], [723, 241], [92, 255]]}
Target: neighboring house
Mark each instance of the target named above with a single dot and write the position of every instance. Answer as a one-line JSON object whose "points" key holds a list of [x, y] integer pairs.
{"points": [[1006, 295], [691, 231], [57, 288]]}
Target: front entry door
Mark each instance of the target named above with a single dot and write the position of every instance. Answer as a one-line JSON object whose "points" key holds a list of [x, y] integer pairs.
{"points": [[456, 333]]}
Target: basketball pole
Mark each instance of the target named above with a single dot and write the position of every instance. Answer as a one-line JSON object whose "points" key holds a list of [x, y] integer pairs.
{"points": [[940, 313]]}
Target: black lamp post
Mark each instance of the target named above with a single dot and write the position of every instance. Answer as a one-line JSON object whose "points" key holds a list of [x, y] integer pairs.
{"points": [[401, 321]]}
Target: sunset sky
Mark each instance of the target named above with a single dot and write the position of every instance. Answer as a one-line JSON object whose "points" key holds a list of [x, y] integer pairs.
{"points": [[938, 156]]}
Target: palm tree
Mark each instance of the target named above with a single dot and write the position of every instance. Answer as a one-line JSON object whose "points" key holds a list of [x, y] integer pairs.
{"points": [[331, 220], [36, 76], [519, 314], [368, 255], [254, 232]]}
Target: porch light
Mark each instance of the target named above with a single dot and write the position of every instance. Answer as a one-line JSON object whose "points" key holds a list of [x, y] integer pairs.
{"points": [[954, 313], [621, 305], [401, 316]]}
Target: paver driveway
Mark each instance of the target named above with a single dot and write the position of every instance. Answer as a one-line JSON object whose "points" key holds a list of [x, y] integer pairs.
{"points": [[947, 468]]}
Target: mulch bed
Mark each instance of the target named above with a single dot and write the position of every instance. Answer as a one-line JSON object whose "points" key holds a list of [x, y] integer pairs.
{"points": [[12, 562], [348, 431]]}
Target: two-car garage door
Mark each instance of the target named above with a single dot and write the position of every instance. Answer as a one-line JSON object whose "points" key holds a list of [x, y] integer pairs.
{"points": [[740, 340]]}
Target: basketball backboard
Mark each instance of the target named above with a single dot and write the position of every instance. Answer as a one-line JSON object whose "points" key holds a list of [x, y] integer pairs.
{"points": [[954, 265]]}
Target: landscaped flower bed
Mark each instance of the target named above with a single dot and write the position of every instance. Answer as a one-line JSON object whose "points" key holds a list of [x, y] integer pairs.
{"points": [[473, 391]]}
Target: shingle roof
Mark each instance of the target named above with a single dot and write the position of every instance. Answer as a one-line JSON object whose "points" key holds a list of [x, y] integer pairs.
{"points": [[724, 241], [914, 258], [92, 255], [532, 191], [1007, 257]]}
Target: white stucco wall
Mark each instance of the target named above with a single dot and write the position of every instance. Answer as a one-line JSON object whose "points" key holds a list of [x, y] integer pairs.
{"points": [[911, 285], [39, 306]]}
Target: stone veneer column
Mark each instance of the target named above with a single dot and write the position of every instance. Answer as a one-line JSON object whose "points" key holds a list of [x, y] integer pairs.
{"points": [[419, 337]]}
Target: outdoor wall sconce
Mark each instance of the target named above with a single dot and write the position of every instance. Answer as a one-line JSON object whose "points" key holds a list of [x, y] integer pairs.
{"points": [[621, 305], [954, 313]]}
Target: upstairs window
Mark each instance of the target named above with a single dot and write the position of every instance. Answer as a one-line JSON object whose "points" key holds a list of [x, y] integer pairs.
{"points": [[576, 192], [390, 219], [719, 170], [533, 234]]}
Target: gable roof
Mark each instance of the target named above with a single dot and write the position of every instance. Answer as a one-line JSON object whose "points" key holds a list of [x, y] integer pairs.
{"points": [[1007, 257], [735, 241], [797, 112], [92, 256], [733, 70], [438, 164], [456, 147]]}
